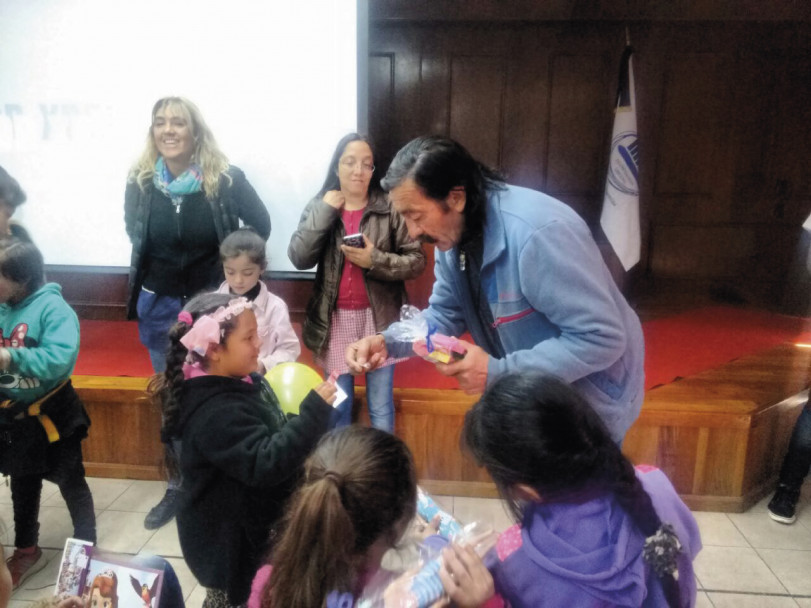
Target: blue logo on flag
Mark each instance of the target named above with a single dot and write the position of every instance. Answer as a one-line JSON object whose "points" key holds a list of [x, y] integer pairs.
{"points": [[623, 169]]}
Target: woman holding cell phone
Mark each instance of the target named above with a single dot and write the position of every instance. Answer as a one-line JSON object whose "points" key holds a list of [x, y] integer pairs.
{"points": [[364, 255]]}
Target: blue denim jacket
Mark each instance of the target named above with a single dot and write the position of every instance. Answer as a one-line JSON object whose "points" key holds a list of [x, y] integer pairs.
{"points": [[556, 307]]}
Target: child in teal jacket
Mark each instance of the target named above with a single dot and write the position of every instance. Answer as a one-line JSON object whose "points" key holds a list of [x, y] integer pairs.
{"points": [[42, 420]]}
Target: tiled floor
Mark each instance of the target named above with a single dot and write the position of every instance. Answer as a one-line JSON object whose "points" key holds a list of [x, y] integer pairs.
{"points": [[747, 561]]}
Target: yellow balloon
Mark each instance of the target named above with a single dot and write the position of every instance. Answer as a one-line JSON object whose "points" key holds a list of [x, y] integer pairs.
{"points": [[291, 382]]}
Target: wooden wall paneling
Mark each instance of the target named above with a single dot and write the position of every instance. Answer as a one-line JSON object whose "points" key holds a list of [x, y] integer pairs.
{"points": [[396, 124], [526, 108], [579, 129], [476, 105], [382, 108]]}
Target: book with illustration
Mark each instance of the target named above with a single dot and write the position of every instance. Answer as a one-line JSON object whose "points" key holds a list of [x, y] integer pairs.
{"points": [[105, 579]]}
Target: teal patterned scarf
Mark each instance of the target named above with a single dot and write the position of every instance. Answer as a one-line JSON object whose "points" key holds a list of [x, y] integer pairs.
{"points": [[188, 182]]}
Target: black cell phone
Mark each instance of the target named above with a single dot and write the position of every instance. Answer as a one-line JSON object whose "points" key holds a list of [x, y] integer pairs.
{"points": [[354, 240]]}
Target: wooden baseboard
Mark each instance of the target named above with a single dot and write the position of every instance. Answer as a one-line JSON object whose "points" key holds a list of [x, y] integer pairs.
{"points": [[123, 471]]}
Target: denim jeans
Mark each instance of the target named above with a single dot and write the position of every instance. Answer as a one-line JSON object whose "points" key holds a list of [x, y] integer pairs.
{"points": [[378, 395], [156, 314], [798, 458]]}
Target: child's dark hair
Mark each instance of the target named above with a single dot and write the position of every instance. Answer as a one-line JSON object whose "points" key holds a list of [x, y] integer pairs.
{"points": [[244, 240], [359, 483], [10, 192], [165, 389], [21, 262], [537, 430]]}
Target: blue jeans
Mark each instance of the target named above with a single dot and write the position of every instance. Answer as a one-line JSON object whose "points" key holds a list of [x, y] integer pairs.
{"points": [[156, 314], [798, 459], [378, 395]]}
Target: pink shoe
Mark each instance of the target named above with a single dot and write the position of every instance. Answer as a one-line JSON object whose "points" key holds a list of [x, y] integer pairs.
{"points": [[24, 565]]}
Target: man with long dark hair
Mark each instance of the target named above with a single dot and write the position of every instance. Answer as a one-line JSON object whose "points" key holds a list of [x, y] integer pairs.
{"points": [[520, 271]]}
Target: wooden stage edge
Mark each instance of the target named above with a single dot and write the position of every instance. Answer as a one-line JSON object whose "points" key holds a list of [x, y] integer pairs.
{"points": [[719, 435]]}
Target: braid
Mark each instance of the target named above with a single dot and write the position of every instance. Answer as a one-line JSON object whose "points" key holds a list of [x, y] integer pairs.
{"points": [[537, 430], [636, 502], [165, 390]]}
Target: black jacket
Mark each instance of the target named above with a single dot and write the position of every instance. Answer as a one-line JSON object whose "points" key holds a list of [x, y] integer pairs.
{"points": [[24, 445], [238, 469], [234, 202]]}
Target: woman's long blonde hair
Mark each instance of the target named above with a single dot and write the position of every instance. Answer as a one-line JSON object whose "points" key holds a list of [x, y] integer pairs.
{"points": [[207, 154]]}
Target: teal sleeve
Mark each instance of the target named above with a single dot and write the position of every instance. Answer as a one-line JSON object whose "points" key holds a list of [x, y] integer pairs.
{"points": [[53, 359]]}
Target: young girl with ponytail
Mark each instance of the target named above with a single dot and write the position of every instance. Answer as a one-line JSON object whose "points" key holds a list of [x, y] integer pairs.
{"points": [[592, 530], [239, 457], [357, 498]]}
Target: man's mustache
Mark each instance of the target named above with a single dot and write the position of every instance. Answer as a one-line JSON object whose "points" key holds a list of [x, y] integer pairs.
{"points": [[424, 238]]}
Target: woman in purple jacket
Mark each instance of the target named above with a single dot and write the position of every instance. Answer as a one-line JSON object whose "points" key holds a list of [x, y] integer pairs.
{"points": [[592, 531]]}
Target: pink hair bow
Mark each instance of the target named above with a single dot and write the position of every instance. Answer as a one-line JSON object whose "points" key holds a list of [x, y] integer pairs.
{"points": [[204, 332]]}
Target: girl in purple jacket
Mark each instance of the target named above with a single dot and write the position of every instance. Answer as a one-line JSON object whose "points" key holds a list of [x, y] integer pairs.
{"points": [[592, 531]]}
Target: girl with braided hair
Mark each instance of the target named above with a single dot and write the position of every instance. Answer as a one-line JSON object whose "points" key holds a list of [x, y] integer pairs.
{"points": [[239, 457], [591, 529]]}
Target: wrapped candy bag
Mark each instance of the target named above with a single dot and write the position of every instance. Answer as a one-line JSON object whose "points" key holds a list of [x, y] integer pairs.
{"points": [[427, 508], [422, 587], [426, 342]]}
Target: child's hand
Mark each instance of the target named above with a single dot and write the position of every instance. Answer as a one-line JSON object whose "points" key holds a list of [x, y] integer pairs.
{"points": [[423, 529], [467, 581], [70, 601], [326, 390]]}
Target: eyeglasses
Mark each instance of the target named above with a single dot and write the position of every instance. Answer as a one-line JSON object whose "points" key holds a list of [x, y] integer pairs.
{"points": [[350, 164]]}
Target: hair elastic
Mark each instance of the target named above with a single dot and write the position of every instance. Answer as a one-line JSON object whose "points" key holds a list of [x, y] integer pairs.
{"points": [[336, 478], [662, 550], [184, 316]]}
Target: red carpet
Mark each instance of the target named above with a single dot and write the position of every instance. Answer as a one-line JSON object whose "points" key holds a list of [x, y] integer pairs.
{"points": [[676, 347], [683, 345]]}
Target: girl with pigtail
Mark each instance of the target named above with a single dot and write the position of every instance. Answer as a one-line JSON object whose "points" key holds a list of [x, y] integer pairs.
{"points": [[357, 499], [592, 530], [240, 459]]}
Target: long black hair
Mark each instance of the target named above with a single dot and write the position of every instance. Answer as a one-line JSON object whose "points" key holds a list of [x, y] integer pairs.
{"points": [[536, 430], [331, 181], [439, 164], [165, 389]]}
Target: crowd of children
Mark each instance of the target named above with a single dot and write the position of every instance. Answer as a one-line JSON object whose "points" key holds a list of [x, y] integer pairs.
{"points": [[278, 510]]}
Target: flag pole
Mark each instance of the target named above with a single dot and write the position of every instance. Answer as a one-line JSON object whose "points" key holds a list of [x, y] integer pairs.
{"points": [[627, 36]]}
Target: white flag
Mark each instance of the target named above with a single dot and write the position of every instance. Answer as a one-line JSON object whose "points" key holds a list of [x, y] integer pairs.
{"points": [[620, 216]]}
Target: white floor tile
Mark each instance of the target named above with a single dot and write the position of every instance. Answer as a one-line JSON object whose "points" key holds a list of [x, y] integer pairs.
{"points": [[122, 532], [739, 600], [164, 542], [702, 601], [19, 604], [793, 568], [717, 530], [803, 602], [106, 491], [6, 523], [445, 502], [184, 575], [484, 510], [196, 597], [5, 491], [735, 569], [762, 532], [48, 490], [140, 497], [41, 585], [55, 527]]}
